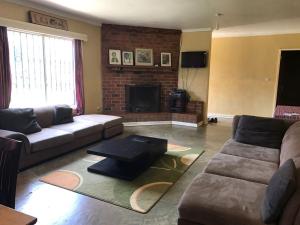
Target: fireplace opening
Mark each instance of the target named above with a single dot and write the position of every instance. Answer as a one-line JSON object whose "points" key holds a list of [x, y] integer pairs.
{"points": [[142, 98]]}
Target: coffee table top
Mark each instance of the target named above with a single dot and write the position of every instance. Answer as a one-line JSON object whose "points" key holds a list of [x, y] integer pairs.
{"points": [[127, 149]]}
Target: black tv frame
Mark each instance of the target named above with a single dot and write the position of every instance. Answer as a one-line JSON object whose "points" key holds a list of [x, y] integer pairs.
{"points": [[186, 63]]}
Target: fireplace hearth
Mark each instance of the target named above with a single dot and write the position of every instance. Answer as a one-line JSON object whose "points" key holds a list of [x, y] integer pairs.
{"points": [[142, 98]]}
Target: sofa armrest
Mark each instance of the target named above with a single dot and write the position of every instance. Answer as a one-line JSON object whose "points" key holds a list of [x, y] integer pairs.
{"points": [[235, 123], [16, 136]]}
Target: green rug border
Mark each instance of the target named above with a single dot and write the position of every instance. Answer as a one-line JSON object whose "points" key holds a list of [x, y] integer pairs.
{"points": [[122, 206]]}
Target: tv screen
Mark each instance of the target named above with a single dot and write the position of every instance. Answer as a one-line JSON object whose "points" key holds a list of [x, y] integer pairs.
{"points": [[193, 59]]}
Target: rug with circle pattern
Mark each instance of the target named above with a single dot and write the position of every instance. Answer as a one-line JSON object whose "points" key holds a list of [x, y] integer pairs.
{"points": [[140, 194]]}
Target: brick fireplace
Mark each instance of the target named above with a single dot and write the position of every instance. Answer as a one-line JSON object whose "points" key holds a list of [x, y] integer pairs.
{"points": [[117, 78], [127, 38]]}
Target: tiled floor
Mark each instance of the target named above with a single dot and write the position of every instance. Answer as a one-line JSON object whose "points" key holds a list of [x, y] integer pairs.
{"points": [[53, 205]]}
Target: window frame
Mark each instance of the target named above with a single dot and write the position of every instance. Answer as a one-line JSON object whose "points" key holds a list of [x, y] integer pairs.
{"points": [[44, 65]]}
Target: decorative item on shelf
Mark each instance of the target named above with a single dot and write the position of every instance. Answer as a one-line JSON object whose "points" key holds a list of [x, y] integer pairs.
{"points": [[178, 100], [165, 59], [127, 58], [114, 57], [46, 20], [143, 57]]}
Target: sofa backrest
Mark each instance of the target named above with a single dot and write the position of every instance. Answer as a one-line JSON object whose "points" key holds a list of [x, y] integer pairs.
{"points": [[290, 147], [235, 123], [45, 116], [236, 120]]}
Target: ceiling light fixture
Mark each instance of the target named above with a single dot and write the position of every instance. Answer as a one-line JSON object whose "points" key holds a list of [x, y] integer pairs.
{"points": [[218, 15]]}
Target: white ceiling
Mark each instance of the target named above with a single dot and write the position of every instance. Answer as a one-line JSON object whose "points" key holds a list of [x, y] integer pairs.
{"points": [[240, 16]]}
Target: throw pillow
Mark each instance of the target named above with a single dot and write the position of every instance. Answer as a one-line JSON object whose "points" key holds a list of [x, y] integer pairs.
{"points": [[281, 187], [63, 114], [19, 120], [260, 131]]}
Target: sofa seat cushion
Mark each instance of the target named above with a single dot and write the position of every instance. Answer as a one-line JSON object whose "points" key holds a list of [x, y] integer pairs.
{"points": [[80, 128], [232, 147], [49, 138], [216, 200], [106, 120], [241, 168], [113, 131]]}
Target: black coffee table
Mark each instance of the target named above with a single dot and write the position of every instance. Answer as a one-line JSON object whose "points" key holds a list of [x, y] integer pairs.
{"points": [[127, 157]]}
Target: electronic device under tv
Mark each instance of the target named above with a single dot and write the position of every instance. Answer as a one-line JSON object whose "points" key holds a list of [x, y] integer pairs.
{"points": [[193, 59]]}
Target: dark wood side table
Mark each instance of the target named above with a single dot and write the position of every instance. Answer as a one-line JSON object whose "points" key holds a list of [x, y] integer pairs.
{"points": [[10, 216]]}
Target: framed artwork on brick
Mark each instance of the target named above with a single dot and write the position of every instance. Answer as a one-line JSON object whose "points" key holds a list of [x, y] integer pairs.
{"points": [[165, 59], [143, 57], [127, 58], [114, 57]]}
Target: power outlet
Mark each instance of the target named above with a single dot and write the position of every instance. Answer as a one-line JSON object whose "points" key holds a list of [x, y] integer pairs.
{"points": [[98, 109]]}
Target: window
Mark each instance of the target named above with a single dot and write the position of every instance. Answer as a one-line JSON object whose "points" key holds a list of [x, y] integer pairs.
{"points": [[42, 69]]}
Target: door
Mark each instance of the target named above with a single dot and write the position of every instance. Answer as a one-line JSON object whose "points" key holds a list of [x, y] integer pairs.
{"points": [[288, 92]]}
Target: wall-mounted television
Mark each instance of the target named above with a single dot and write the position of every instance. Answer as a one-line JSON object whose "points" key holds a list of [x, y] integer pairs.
{"points": [[194, 59]]}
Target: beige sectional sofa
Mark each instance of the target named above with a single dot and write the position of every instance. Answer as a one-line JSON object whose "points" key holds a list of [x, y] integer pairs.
{"points": [[231, 188], [54, 140]]}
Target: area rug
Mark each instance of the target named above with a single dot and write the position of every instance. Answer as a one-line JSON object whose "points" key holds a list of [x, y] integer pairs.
{"points": [[139, 195]]}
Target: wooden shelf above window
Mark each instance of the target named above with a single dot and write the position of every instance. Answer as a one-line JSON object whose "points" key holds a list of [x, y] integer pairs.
{"points": [[139, 69]]}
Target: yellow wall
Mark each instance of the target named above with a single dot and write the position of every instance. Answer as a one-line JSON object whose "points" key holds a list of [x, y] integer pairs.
{"points": [[195, 81], [244, 73], [91, 53]]}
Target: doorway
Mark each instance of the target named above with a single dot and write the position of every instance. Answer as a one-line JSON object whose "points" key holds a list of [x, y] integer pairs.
{"points": [[288, 92]]}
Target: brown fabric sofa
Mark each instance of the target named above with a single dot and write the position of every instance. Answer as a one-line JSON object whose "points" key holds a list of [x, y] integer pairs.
{"points": [[54, 140], [231, 188]]}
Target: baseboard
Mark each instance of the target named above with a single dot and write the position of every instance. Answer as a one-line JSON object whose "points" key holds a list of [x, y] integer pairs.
{"points": [[218, 115], [152, 123], [147, 123], [186, 124]]}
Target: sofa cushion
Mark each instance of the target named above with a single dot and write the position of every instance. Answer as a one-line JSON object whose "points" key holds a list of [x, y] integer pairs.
{"points": [[106, 120], [265, 132], [45, 115], [80, 128], [281, 187], [232, 147], [291, 213], [19, 120], [241, 168], [63, 114], [216, 200], [113, 131], [49, 138], [290, 147]]}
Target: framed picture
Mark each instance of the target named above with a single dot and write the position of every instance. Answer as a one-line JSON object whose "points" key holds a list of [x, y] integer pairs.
{"points": [[165, 59], [143, 57], [114, 57], [127, 58], [49, 21]]}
